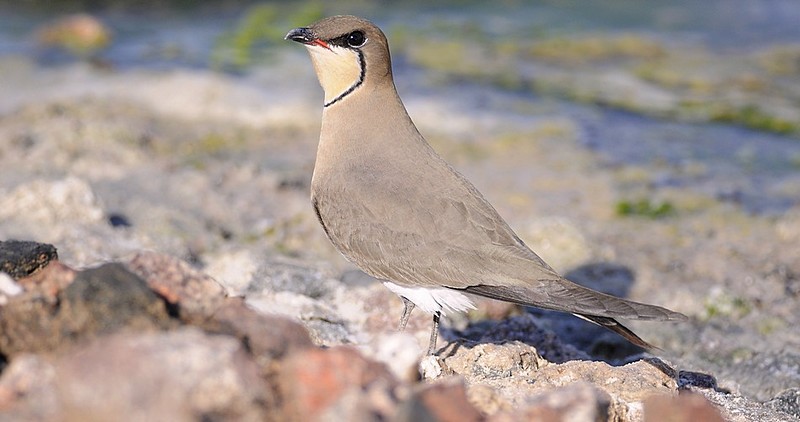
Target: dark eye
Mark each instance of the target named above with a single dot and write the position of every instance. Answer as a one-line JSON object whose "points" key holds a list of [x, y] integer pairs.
{"points": [[356, 39]]}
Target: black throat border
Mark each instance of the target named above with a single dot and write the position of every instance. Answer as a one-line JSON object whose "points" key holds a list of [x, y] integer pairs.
{"points": [[363, 65]]}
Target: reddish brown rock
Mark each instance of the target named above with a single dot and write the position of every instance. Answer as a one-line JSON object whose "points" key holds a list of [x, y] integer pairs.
{"points": [[268, 337], [686, 407], [193, 294], [335, 384], [49, 281], [443, 401]]}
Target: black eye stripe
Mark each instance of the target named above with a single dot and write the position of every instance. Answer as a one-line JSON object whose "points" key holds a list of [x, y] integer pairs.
{"points": [[353, 39]]}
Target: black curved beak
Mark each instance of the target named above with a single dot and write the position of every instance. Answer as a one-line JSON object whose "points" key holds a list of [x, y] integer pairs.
{"points": [[301, 35]]}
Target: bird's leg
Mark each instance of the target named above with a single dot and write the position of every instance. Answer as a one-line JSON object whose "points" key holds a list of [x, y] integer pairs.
{"points": [[408, 307], [435, 332]]}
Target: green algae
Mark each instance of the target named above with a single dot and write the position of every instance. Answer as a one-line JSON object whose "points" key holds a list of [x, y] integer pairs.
{"points": [[645, 207], [753, 117]]}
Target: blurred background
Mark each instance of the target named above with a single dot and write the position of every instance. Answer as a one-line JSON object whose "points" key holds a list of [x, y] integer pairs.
{"points": [[659, 139], [725, 71]]}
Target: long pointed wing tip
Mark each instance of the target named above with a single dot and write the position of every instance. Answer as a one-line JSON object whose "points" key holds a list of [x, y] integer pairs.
{"points": [[677, 317]]}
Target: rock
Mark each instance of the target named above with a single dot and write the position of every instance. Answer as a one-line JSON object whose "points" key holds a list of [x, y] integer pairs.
{"points": [[27, 391], [20, 258], [49, 207], [324, 324], [99, 301], [683, 408], [190, 293], [267, 337], [633, 382], [487, 400], [442, 401], [281, 274], [335, 384], [107, 298], [81, 34], [399, 351], [299, 291], [233, 270], [575, 402], [516, 371], [49, 282], [178, 375], [737, 408], [430, 368], [787, 401], [490, 361], [696, 379]]}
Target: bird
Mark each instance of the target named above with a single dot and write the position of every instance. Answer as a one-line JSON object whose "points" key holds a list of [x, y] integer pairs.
{"points": [[397, 210]]}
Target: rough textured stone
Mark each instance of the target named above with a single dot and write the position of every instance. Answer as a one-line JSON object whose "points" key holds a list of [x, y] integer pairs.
{"points": [[191, 293], [335, 384], [494, 361], [99, 301], [633, 382], [515, 371], [21, 258], [787, 401], [736, 408]]}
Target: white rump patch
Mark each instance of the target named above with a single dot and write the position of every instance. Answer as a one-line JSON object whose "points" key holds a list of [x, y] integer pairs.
{"points": [[433, 300]]}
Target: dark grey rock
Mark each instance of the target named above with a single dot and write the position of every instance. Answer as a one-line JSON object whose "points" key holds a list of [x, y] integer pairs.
{"points": [[22, 258], [105, 299], [787, 401], [98, 301]]}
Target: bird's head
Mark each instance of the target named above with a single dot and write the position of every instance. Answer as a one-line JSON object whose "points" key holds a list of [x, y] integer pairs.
{"points": [[348, 53]]}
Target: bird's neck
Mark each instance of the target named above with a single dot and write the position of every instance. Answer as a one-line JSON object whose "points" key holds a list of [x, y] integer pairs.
{"points": [[368, 121]]}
